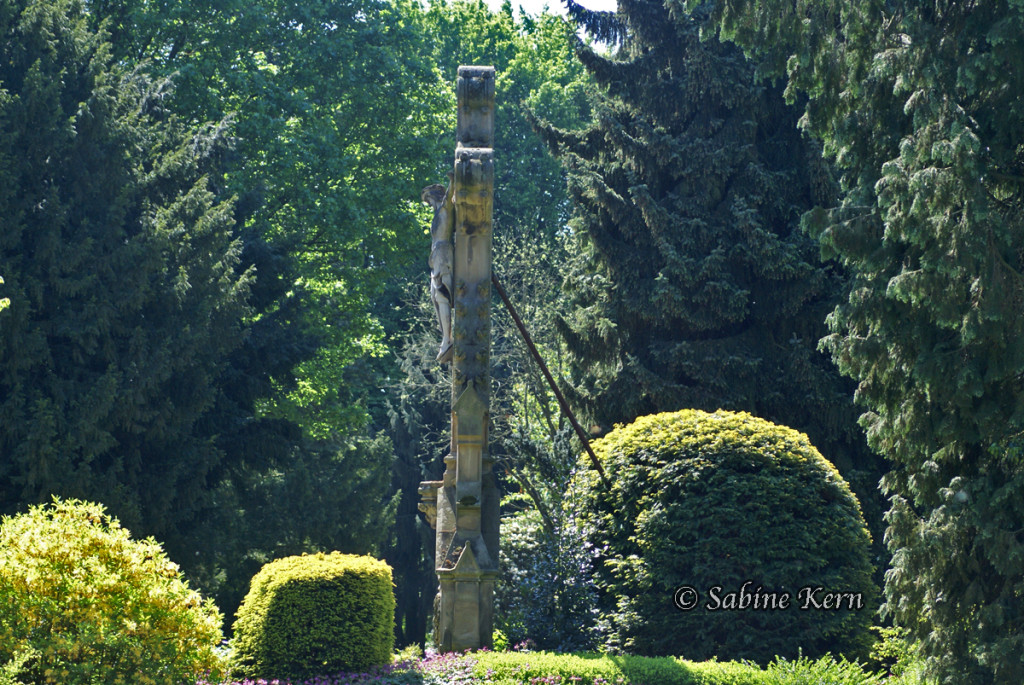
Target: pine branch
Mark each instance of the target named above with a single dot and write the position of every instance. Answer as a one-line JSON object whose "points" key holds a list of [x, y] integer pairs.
{"points": [[604, 27]]}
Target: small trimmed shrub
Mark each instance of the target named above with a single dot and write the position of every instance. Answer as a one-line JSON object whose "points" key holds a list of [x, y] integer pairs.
{"points": [[314, 615], [85, 603], [725, 503]]}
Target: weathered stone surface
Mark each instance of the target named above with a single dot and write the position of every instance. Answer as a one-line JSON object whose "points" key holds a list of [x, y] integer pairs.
{"points": [[428, 494], [475, 95], [464, 505]]}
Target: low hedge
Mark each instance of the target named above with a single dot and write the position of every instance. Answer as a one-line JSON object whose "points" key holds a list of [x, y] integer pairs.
{"points": [[549, 668], [506, 668], [545, 668]]}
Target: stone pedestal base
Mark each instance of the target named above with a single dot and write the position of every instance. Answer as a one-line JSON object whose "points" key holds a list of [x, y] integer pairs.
{"points": [[466, 569]]}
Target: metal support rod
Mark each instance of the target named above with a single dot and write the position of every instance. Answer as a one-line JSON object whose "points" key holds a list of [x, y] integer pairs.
{"points": [[551, 380]]}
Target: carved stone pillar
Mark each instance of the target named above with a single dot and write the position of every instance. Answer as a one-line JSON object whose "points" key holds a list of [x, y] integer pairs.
{"points": [[465, 503]]}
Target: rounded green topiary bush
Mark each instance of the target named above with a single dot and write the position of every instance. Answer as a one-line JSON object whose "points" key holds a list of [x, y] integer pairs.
{"points": [[747, 514], [314, 615], [88, 604]]}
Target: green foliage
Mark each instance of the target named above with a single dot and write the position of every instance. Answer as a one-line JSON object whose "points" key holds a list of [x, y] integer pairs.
{"points": [[546, 594], [337, 116], [194, 305], [823, 671], [127, 296], [10, 672], [85, 603], [408, 654], [322, 496], [692, 284], [899, 656], [501, 643], [506, 668], [315, 614], [921, 107], [536, 69], [717, 500], [546, 668], [977, 523], [537, 72]]}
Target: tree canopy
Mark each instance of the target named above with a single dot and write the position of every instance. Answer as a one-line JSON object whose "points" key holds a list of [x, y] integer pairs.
{"points": [[181, 346], [920, 106], [214, 320], [337, 117], [127, 299], [694, 286]]}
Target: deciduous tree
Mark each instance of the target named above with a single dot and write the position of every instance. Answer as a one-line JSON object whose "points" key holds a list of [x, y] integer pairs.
{"points": [[536, 69], [336, 114], [333, 110]]}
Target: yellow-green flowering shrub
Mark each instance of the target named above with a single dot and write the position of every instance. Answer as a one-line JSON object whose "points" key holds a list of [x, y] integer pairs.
{"points": [[96, 606], [313, 615], [11, 671]]}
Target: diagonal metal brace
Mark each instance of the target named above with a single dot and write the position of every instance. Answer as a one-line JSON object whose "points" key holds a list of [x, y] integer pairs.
{"points": [[551, 380]]}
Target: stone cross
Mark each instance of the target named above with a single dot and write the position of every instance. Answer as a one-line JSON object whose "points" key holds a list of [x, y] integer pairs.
{"points": [[463, 506]]}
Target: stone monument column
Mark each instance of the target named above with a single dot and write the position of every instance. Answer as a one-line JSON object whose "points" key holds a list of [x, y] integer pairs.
{"points": [[463, 507]]}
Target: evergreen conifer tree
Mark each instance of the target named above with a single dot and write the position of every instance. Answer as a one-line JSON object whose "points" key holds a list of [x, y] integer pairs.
{"points": [[695, 287], [127, 296], [922, 107]]}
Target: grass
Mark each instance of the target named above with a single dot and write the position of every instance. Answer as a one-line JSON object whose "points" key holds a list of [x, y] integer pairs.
{"points": [[546, 668]]}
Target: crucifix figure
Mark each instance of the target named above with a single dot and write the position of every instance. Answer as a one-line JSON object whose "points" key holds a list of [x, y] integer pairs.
{"points": [[440, 200], [463, 506]]}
